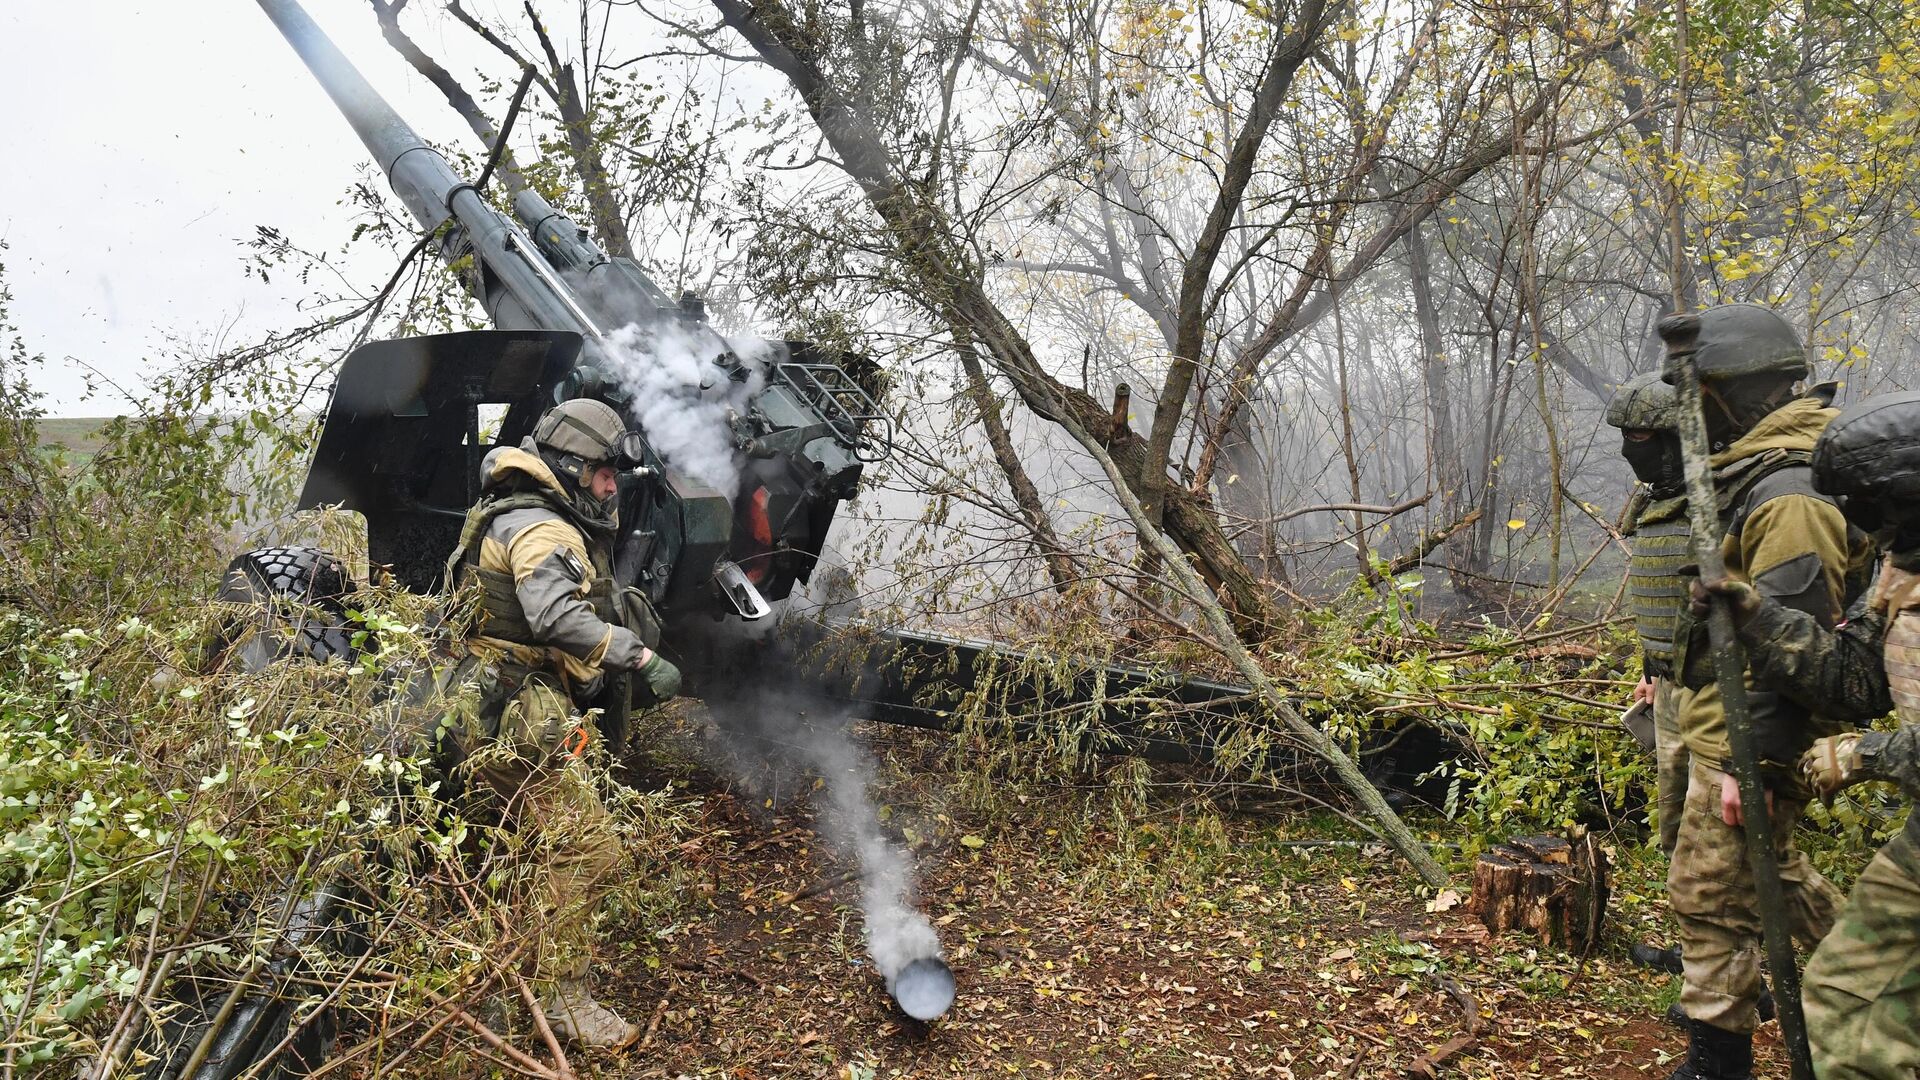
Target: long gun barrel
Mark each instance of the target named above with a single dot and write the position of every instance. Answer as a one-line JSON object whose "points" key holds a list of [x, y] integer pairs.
{"points": [[618, 285], [514, 281]]}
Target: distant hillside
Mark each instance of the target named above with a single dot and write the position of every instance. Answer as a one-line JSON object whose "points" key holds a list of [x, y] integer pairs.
{"points": [[79, 435]]}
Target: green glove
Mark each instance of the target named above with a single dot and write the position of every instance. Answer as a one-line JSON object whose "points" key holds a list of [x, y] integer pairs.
{"points": [[663, 679]]}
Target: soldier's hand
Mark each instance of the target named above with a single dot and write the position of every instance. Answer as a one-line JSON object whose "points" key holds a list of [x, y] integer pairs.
{"points": [[1742, 600], [663, 679], [1832, 763], [1643, 690], [1730, 810]]}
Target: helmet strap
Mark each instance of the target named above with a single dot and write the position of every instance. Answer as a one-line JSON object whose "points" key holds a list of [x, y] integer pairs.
{"points": [[1736, 406]]}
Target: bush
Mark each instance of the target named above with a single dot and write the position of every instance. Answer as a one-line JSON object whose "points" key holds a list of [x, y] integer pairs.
{"points": [[157, 817]]}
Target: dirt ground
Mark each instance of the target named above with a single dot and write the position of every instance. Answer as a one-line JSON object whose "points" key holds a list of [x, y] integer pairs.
{"points": [[1255, 944]]}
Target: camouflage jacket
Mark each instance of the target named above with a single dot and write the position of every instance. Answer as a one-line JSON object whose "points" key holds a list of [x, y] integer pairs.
{"points": [[1841, 671]]}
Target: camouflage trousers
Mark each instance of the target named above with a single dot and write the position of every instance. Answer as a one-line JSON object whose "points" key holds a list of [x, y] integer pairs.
{"points": [[531, 778], [1862, 988], [1710, 886], [1670, 763]]}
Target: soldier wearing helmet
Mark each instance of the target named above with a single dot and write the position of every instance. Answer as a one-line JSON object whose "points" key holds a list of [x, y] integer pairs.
{"points": [[1791, 543], [1862, 988], [551, 641], [1643, 410]]}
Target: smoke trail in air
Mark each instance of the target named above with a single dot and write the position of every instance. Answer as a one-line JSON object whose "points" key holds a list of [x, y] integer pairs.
{"points": [[897, 932], [769, 739]]}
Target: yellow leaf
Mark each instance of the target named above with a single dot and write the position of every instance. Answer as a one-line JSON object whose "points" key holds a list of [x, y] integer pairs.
{"points": [[1516, 523]]}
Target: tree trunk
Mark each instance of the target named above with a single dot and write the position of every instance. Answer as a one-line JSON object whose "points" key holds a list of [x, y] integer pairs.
{"points": [[1059, 564], [1443, 447], [1548, 886], [927, 247]]}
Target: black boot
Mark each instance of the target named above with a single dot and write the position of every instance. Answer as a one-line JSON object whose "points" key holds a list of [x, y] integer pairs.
{"points": [[1650, 956], [1716, 1054]]}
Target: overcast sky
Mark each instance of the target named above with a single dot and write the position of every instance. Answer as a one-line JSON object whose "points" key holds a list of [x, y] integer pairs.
{"points": [[145, 140]]}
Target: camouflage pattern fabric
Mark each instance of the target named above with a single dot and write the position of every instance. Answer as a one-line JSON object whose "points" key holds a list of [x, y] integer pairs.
{"points": [[1862, 989], [532, 778], [1840, 671], [1670, 764], [1660, 545], [1899, 594], [1711, 889], [1793, 545], [542, 574], [1776, 524]]}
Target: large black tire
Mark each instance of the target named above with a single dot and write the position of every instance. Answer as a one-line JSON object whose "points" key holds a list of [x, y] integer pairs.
{"points": [[289, 602]]}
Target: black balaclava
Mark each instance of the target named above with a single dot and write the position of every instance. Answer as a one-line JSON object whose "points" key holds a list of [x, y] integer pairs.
{"points": [[1656, 462], [1894, 527], [1734, 406]]}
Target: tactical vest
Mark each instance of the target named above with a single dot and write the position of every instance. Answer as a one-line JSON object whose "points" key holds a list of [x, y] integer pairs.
{"points": [[500, 615], [1660, 547], [1732, 484], [1898, 594]]}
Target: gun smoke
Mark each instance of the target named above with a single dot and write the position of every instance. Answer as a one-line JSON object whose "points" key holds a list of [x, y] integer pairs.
{"points": [[684, 401], [768, 743]]}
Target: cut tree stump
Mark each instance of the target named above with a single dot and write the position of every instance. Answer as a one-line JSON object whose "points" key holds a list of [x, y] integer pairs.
{"points": [[1549, 886]]}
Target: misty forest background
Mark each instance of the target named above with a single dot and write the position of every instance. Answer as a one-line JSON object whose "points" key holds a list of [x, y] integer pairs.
{"points": [[1330, 296]]}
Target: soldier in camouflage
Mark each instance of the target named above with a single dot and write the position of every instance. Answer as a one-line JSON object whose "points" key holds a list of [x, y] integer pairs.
{"points": [[1793, 544], [552, 641], [1862, 988], [1643, 410]]}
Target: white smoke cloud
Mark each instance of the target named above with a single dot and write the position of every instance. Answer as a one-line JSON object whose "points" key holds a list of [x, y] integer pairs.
{"points": [[681, 398], [897, 932], [770, 738]]}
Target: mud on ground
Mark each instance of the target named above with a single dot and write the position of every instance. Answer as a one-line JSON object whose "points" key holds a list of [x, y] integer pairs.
{"points": [[1173, 945]]}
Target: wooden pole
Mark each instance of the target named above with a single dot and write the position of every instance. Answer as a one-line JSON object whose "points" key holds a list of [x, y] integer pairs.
{"points": [[1681, 333]]}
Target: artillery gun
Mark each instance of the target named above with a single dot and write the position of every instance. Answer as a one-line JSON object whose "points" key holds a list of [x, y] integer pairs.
{"points": [[403, 435], [713, 550]]}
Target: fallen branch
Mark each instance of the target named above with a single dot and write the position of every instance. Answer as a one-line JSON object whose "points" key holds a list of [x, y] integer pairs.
{"points": [[653, 1025], [540, 1021], [563, 1069], [1428, 543], [1463, 997], [447, 1017], [1567, 631], [1270, 694], [826, 884], [698, 968], [1357, 508], [493, 1039]]}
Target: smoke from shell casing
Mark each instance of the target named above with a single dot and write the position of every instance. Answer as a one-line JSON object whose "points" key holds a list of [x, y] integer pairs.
{"points": [[767, 741]]}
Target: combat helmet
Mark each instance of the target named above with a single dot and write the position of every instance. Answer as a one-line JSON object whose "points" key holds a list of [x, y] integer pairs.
{"points": [[1646, 406], [1643, 403], [578, 436], [1745, 339], [1871, 454]]}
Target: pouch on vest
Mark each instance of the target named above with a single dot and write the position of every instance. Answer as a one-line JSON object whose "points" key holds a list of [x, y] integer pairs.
{"points": [[638, 615]]}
